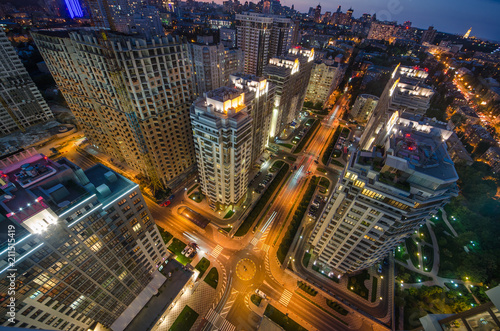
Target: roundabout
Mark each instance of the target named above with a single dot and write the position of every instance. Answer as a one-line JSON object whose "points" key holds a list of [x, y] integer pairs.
{"points": [[245, 269]]}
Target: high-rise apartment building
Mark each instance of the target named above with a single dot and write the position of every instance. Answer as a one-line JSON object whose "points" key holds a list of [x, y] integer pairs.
{"points": [[21, 104], [384, 194], [406, 92], [428, 35], [84, 243], [326, 75], [260, 103], [291, 75], [363, 107], [213, 64], [222, 131], [262, 37], [131, 96]]}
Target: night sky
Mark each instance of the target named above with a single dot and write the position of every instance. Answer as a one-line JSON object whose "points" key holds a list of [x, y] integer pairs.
{"points": [[447, 16]]}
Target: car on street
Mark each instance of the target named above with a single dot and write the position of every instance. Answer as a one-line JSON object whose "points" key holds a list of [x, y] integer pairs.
{"points": [[260, 294], [166, 203]]}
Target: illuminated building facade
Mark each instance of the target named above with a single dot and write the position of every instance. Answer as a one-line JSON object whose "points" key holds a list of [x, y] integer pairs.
{"points": [[326, 75], [213, 64], [262, 37], [133, 106], [85, 245], [222, 132], [385, 193], [406, 92], [291, 76], [259, 99], [363, 107]]}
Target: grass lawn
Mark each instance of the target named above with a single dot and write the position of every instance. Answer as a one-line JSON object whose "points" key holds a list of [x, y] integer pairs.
{"points": [[412, 248], [324, 182], [212, 278], [356, 284], [336, 153], [176, 247], [185, 320], [306, 259], [166, 236], [423, 233], [337, 163], [321, 169], [282, 320], [291, 158], [256, 299], [374, 288], [229, 214], [337, 307], [428, 257], [202, 266], [306, 288], [401, 254], [409, 276], [192, 189], [286, 145], [196, 197]]}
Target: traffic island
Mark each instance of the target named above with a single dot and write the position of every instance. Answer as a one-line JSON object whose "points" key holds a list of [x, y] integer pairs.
{"points": [[245, 269]]}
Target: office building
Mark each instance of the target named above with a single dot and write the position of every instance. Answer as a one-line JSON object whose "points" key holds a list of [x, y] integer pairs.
{"points": [[130, 96], [383, 31], [428, 35], [385, 193], [291, 75], [260, 103], [363, 107], [21, 104], [326, 76], [317, 14], [262, 37], [85, 244], [405, 92], [212, 65], [222, 131]]}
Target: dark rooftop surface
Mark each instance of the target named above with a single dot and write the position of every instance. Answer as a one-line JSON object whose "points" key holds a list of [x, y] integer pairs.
{"points": [[149, 315]]}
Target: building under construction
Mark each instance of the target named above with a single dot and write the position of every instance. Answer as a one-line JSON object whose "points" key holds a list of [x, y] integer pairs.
{"points": [[130, 95], [21, 104]]}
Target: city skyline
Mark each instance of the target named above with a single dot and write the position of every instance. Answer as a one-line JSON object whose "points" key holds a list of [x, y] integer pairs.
{"points": [[419, 13]]}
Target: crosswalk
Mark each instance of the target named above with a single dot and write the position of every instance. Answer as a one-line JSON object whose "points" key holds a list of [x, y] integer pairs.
{"points": [[254, 241], [216, 252], [265, 248], [218, 321], [285, 298]]}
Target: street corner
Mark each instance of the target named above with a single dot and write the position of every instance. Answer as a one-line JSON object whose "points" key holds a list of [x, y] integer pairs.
{"points": [[245, 269]]}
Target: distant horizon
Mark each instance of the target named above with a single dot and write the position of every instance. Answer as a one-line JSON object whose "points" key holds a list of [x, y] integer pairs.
{"points": [[453, 17]]}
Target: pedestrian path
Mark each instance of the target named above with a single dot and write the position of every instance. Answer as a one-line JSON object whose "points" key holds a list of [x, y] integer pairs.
{"points": [[216, 252], [218, 321], [285, 297]]}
